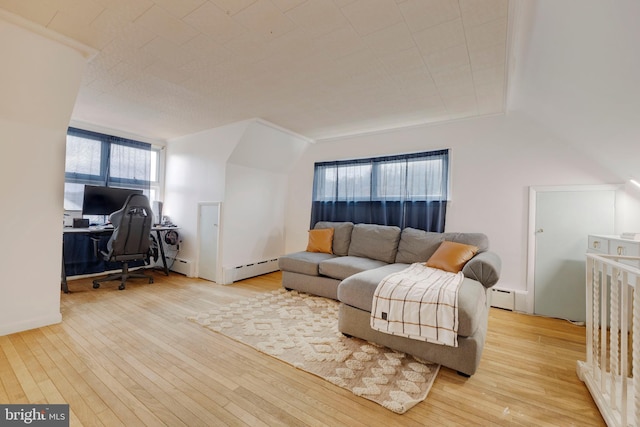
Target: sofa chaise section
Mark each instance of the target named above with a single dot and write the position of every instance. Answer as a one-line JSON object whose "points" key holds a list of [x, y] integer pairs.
{"points": [[356, 295], [363, 254]]}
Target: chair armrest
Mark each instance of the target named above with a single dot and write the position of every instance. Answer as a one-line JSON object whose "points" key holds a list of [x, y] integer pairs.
{"points": [[484, 267]]}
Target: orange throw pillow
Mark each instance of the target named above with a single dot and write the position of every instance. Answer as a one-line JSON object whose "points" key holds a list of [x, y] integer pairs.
{"points": [[321, 240], [451, 256]]}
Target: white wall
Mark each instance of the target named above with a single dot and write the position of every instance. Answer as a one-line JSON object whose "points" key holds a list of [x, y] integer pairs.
{"points": [[195, 172], [39, 81], [244, 166], [578, 74], [255, 196], [253, 216], [494, 161], [628, 209]]}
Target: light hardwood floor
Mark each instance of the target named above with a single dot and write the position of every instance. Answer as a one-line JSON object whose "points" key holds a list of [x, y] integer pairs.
{"points": [[131, 358]]}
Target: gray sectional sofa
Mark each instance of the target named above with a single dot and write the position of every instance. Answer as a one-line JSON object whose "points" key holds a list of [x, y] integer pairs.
{"points": [[363, 254]]}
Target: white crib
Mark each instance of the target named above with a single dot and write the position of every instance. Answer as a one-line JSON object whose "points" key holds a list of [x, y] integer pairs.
{"points": [[612, 369]]}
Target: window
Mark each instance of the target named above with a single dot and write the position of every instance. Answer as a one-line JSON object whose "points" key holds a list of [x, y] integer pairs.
{"points": [[98, 159], [342, 182], [408, 190]]}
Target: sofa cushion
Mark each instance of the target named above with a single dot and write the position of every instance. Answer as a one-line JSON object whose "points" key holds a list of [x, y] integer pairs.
{"points": [[342, 267], [451, 256], [357, 291], [321, 240], [303, 262], [378, 242], [417, 245], [341, 235]]}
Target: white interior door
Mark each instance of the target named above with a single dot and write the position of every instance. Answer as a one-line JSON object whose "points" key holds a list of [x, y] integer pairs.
{"points": [[208, 228], [563, 220]]}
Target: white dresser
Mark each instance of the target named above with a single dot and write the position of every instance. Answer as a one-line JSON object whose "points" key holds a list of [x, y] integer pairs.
{"points": [[615, 245]]}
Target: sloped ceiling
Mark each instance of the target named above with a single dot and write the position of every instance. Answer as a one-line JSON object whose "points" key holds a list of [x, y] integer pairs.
{"points": [[265, 147], [320, 68], [578, 76]]}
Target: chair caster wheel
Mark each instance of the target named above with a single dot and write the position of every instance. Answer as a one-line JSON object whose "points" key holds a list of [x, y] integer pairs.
{"points": [[121, 287], [96, 285], [151, 280]]}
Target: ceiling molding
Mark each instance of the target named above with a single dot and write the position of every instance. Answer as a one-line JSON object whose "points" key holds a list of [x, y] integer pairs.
{"points": [[281, 129], [404, 127], [86, 51]]}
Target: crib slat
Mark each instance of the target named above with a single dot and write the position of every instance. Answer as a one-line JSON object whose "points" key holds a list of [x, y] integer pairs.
{"points": [[613, 317], [624, 347], [636, 352], [603, 335], [614, 302]]}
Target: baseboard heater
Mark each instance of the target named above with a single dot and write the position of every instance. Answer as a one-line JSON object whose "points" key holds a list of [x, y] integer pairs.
{"points": [[182, 266], [502, 298], [242, 272]]}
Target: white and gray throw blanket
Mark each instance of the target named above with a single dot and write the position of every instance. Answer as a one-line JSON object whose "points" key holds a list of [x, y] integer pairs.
{"points": [[418, 302]]}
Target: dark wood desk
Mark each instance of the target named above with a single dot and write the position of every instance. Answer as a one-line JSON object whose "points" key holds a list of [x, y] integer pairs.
{"points": [[98, 231]]}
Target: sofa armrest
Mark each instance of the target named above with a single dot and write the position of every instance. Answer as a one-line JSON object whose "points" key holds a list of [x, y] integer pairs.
{"points": [[484, 267]]}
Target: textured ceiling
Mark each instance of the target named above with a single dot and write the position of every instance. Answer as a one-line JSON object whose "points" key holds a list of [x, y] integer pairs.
{"points": [[321, 68]]}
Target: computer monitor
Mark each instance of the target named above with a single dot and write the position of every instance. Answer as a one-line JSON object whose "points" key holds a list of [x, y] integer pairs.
{"points": [[104, 200]]}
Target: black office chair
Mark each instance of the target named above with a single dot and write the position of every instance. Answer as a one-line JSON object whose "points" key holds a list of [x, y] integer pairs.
{"points": [[130, 240]]}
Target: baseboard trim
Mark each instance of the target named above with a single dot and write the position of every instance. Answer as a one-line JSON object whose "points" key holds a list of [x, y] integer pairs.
{"points": [[28, 324]]}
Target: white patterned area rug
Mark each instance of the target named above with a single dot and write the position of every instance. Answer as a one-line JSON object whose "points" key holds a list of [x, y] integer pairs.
{"points": [[302, 330]]}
